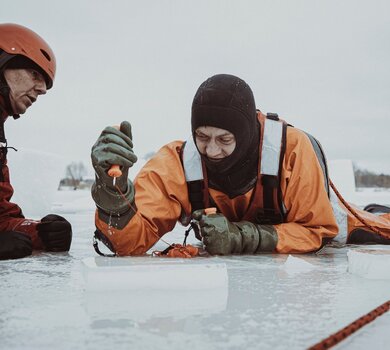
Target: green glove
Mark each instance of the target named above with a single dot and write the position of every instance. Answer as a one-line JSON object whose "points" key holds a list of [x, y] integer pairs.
{"points": [[222, 237], [113, 147]]}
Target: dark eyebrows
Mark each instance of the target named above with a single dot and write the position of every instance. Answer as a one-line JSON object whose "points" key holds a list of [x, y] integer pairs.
{"points": [[199, 133], [226, 134]]}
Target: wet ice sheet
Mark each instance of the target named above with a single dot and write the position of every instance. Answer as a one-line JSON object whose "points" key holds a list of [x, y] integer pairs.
{"points": [[375, 335], [370, 262], [44, 304], [145, 273]]}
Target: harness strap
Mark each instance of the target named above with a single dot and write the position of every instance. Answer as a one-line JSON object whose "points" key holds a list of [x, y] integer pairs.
{"points": [[99, 236], [195, 193], [272, 155], [273, 148]]}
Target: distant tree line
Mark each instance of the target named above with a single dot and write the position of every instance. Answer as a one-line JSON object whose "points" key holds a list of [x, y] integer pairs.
{"points": [[74, 177], [76, 171], [365, 178]]}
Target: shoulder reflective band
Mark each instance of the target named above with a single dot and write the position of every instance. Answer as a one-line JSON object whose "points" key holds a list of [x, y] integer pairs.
{"points": [[191, 162], [272, 143]]}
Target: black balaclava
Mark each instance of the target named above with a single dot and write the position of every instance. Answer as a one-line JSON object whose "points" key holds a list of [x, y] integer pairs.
{"points": [[226, 102]]}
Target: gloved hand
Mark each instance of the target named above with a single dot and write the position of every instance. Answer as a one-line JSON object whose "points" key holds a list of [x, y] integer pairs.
{"points": [[113, 147], [222, 237], [14, 245], [55, 233]]}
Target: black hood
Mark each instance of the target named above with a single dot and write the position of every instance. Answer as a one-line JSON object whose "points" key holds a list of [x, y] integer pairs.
{"points": [[226, 101]]}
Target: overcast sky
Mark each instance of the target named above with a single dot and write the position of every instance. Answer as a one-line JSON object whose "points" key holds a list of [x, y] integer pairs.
{"points": [[322, 65]]}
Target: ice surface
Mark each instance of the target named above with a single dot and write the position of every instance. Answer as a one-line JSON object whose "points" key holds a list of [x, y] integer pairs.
{"points": [[45, 304], [35, 177], [375, 335], [370, 262], [73, 202], [295, 265], [140, 273]]}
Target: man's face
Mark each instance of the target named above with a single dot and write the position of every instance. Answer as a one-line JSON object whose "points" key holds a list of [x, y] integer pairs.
{"points": [[214, 143], [25, 86]]}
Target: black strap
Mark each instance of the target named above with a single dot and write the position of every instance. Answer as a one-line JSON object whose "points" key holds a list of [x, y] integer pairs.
{"points": [[273, 116], [2, 132], [282, 208], [195, 194], [99, 236], [270, 214], [3, 146]]}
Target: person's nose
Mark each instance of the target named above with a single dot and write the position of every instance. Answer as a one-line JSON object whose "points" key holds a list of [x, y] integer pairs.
{"points": [[40, 87], [212, 149]]}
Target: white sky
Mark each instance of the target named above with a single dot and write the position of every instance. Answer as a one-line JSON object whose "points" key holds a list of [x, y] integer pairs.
{"points": [[322, 65]]}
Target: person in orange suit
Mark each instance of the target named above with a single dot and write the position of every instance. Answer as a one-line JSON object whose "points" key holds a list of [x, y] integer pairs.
{"points": [[267, 179]]}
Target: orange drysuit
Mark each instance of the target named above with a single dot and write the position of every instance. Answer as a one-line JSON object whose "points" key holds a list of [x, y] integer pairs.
{"points": [[161, 199]]}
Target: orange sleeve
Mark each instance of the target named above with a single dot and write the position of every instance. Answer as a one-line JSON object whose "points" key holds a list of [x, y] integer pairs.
{"points": [[309, 212], [379, 222], [160, 197]]}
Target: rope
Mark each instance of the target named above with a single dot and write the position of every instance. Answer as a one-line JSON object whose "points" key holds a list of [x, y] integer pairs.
{"points": [[355, 214], [174, 250], [337, 337]]}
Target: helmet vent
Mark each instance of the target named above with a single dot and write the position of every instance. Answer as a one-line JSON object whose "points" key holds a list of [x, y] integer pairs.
{"points": [[44, 53]]}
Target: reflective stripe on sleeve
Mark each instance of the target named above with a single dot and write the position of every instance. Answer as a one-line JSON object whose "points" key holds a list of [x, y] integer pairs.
{"points": [[341, 218], [272, 143], [191, 162]]}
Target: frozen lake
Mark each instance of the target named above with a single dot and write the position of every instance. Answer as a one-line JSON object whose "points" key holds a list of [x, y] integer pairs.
{"points": [[266, 303]]}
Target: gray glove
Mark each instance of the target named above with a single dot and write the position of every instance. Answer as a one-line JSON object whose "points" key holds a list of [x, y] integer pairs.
{"points": [[222, 237], [113, 147]]}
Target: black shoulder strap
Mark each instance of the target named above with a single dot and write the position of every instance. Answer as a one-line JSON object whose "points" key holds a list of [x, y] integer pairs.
{"points": [[195, 194]]}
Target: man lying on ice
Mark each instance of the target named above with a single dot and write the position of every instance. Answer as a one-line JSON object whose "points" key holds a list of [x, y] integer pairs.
{"points": [[268, 181]]}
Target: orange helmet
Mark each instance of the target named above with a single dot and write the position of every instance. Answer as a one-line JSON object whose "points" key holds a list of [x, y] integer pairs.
{"points": [[18, 40]]}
